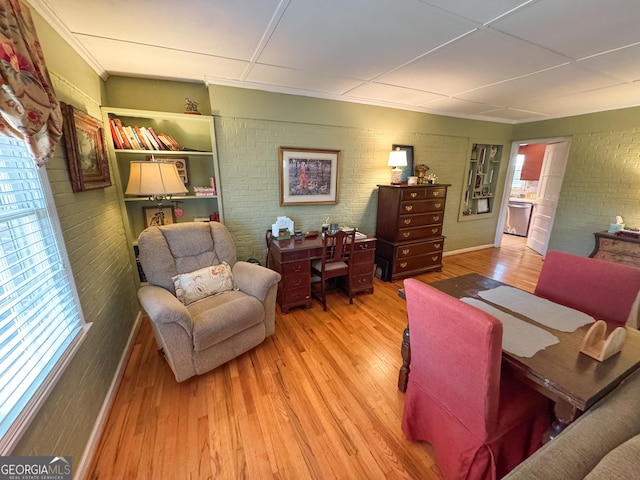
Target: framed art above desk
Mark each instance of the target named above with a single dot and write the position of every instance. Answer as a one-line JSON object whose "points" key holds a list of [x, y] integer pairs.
{"points": [[292, 259]]}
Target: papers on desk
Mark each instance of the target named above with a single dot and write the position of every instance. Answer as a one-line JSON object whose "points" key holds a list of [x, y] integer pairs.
{"points": [[518, 337], [538, 309]]}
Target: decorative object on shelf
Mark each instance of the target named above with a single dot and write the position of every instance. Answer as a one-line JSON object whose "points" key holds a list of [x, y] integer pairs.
{"points": [[86, 155], [181, 163], [154, 216], [177, 211], [412, 180], [191, 106], [483, 205], [407, 170], [397, 158], [308, 176], [157, 181], [432, 179], [485, 192], [421, 171]]}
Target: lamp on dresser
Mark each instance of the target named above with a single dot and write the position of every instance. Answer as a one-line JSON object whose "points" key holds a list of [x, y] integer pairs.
{"points": [[156, 180], [397, 158]]}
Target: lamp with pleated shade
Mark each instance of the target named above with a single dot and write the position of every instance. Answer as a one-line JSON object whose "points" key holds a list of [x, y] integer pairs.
{"points": [[156, 180]]}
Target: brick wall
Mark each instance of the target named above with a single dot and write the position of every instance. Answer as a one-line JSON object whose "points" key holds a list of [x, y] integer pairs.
{"points": [[248, 153], [602, 180]]}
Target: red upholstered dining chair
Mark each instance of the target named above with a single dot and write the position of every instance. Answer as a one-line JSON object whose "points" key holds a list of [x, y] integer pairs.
{"points": [[338, 247], [605, 290], [480, 421]]}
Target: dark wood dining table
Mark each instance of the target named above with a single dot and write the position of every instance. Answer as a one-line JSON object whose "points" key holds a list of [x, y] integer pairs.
{"points": [[571, 379]]}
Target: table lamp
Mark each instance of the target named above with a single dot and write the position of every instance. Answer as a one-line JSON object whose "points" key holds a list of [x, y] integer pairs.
{"points": [[397, 158], [157, 180]]}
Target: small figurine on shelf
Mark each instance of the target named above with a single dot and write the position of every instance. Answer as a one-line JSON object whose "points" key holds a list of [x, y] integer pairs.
{"points": [[191, 106], [421, 170]]}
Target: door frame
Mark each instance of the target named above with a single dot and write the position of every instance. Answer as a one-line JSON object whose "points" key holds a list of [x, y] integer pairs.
{"points": [[511, 169]]}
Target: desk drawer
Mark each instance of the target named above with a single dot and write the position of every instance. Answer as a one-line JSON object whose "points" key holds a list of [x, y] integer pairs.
{"points": [[423, 248], [296, 295], [366, 257], [295, 268]]}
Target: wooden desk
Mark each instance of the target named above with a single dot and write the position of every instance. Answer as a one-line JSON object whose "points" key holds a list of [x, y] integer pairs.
{"points": [[292, 259], [573, 380]]}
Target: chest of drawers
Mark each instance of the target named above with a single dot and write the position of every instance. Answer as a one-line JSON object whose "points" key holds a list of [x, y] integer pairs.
{"points": [[409, 228]]}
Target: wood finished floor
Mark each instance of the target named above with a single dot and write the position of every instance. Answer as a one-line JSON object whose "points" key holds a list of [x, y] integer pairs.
{"points": [[317, 400]]}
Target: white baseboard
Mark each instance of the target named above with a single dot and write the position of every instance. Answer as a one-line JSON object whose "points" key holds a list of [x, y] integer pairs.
{"points": [[80, 469], [470, 249]]}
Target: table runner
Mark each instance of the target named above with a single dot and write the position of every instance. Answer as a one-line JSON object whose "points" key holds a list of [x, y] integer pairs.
{"points": [[541, 310], [518, 337]]}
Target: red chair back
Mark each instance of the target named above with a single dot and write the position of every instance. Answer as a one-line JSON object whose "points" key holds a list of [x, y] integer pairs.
{"points": [[605, 290], [458, 355]]}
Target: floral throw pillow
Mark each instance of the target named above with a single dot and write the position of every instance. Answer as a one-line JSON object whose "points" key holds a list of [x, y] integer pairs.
{"points": [[203, 283]]}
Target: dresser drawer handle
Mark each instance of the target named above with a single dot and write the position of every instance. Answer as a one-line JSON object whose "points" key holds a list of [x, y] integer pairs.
{"points": [[438, 205], [405, 251], [408, 208], [297, 283], [364, 246], [298, 268], [435, 259], [407, 221], [436, 218], [434, 230], [414, 194], [403, 264], [406, 234], [435, 193], [437, 245]]}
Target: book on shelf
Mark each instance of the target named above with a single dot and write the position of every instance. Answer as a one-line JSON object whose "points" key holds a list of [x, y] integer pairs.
{"points": [[150, 140], [132, 137], [142, 140], [161, 146], [126, 144], [115, 135]]}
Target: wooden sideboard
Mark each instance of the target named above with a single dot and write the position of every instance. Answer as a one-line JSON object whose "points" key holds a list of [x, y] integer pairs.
{"points": [[617, 248], [409, 228], [292, 259]]}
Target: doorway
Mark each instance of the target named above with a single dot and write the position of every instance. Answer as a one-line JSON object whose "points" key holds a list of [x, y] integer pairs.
{"points": [[529, 203]]}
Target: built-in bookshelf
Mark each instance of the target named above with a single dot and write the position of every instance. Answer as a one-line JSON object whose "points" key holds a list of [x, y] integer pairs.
{"points": [[188, 141], [480, 181]]}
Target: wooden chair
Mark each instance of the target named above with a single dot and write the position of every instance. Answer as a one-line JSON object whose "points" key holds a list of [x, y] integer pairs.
{"points": [[337, 249], [605, 290], [480, 421]]}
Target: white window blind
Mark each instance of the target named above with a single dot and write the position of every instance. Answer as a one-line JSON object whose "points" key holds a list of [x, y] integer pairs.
{"points": [[41, 323]]}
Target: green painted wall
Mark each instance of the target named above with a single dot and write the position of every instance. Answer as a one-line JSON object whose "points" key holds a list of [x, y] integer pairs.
{"points": [[94, 236], [602, 178]]}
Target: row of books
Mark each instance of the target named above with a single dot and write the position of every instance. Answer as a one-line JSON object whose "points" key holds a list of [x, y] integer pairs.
{"points": [[140, 138]]}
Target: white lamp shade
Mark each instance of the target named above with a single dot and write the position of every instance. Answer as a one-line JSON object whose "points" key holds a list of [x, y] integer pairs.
{"points": [[397, 158], [154, 178]]}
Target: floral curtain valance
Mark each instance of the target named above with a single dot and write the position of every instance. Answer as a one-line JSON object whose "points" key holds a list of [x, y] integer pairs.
{"points": [[28, 107]]}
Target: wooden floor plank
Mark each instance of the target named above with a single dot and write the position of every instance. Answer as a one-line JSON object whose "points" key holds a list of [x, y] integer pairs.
{"points": [[316, 400]]}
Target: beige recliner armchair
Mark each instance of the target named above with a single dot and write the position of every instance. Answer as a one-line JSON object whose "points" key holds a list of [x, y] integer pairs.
{"points": [[198, 335]]}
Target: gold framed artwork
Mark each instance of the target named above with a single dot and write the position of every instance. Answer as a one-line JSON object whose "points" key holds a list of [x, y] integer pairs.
{"points": [[308, 176], [86, 155]]}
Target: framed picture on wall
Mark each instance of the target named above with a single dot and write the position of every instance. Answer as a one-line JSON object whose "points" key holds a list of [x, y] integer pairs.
{"points": [[308, 176], [483, 205], [86, 155], [408, 170]]}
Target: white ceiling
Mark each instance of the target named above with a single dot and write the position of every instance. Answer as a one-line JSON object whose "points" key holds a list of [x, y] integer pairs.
{"points": [[501, 60]]}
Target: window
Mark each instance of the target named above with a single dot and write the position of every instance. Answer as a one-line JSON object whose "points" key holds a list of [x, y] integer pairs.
{"points": [[41, 323], [517, 183]]}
